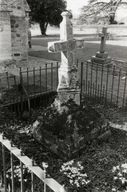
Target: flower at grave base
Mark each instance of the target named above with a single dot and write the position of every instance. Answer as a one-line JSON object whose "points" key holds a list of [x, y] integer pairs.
{"points": [[115, 178], [113, 189], [120, 176], [73, 171], [45, 165], [124, 166], [35, 124], [71, 182]]}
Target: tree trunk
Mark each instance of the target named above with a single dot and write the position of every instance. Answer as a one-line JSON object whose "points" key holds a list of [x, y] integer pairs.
{"points": [[43, 27], [112, 19]]}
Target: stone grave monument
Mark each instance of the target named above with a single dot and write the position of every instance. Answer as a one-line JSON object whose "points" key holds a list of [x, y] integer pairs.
{"points": [[14, 23], [102, 56], [68, 87]]}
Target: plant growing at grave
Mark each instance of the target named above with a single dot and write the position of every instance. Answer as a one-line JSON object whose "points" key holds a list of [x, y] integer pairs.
{"points": [[75, 176], [46, 12], [101, 10], [17, 177], [120, 177]]}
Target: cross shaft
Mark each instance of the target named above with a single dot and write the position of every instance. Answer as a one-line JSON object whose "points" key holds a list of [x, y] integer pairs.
{"points": [[103, 36], [68, 76]]}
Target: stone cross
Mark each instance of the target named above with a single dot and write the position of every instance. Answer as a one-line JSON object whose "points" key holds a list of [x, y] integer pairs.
{"points": [[68, 86], [101, 56], [103, 36]]}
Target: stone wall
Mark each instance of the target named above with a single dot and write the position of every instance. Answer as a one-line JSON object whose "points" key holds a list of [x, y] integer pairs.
{"points": [[14, 24], [5, 36], [19, 35], [19, 29]]}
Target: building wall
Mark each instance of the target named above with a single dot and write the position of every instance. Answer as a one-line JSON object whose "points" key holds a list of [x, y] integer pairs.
{"points": [[5, 36], [19, 37], [19, 30]]}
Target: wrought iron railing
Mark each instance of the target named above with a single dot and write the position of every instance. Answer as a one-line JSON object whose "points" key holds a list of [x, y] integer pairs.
{"points": [[28, 83], [104, 83], [107, 82], [49, 184]]}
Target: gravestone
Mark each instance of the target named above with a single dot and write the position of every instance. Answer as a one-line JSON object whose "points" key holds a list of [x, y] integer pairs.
{"points": [[102, 56], [68, 87], [14, 23]]}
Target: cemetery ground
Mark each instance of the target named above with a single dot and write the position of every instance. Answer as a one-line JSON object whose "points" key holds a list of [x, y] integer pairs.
{"points": [[101, 165], [116, 48]]}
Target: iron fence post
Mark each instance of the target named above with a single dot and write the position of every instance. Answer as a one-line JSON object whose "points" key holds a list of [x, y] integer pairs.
{"points": [[46, 76], [12, 172], [40, 79], [81, 82], [22, 181], [117, 101], [4, 168], [21, 92], [124, 92], [51, 76], [57, 73], [32, 182], [107, 78]]}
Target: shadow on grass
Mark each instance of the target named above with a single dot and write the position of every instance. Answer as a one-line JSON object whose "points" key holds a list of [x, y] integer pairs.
{"points": [[45, 55]]}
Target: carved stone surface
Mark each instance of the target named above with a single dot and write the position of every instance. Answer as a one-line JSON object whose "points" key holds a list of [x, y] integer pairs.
{"points": [[64, 95], [68, 76]]}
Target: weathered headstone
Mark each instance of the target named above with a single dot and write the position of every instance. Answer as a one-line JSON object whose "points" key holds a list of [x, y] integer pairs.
{"points": [[14, 23], [68, 87], [102, 56]]}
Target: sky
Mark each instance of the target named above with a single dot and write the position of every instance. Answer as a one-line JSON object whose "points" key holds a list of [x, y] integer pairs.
{"points": [[76, 5]]}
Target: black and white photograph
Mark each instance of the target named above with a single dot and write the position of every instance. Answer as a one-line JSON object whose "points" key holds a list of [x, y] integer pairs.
{"points": [[63, 95]]}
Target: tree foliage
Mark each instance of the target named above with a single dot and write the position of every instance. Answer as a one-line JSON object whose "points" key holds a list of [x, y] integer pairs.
{"points": [[101, 10], [46, 12]]}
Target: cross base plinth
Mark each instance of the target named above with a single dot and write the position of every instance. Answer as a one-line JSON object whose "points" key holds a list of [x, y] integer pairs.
{"points": [[102, 55], [101, 58], [65, 95]]}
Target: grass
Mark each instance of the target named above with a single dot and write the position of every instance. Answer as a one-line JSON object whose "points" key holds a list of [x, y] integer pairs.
{"points": [[84, 54], [44, 54], [90, 49]]}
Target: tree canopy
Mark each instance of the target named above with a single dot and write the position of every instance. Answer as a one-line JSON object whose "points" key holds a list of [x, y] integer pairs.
{"points": [[101, 10], [46, 12]]}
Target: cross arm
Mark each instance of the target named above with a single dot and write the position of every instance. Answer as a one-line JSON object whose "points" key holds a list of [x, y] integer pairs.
{"points": [[57, 46], [104, 32], [103, 35]]}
